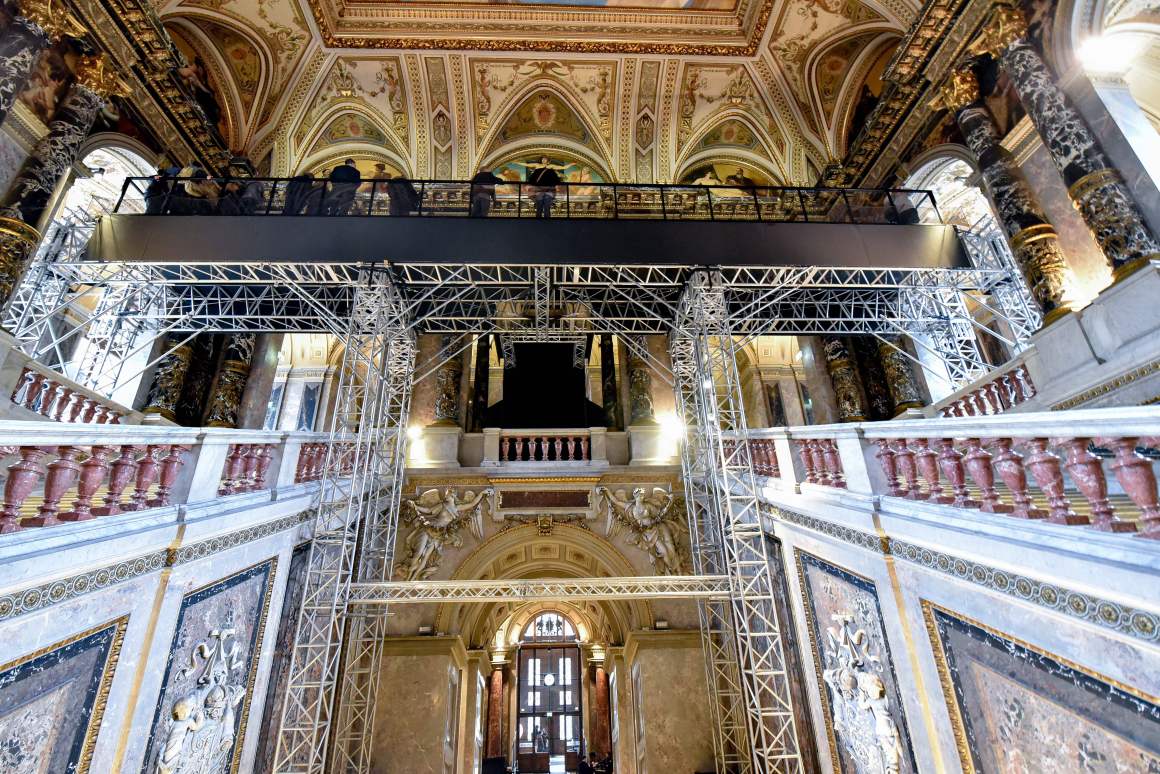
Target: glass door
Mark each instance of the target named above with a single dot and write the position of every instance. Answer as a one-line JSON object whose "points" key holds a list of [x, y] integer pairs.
{"points": [[549, 706]]}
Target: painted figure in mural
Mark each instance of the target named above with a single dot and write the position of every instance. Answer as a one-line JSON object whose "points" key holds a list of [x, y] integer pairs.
{"points": [[652, 521], [200, 736], [438, 518], [861, 710], [196, 78]]}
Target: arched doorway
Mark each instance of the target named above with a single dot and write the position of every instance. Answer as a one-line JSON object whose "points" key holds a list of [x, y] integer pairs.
{"points": [[549, 726]]}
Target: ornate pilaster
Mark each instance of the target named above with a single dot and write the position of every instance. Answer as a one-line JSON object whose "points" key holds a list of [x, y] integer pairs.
{"points": [[601, 743], [640, 390], [447, 381], [1034, 242], [900, 379], [50, 159], [493, 745], [1094, 186], [847, 386], [168, 381], [608, 388], [39, 22], [229, 384]]}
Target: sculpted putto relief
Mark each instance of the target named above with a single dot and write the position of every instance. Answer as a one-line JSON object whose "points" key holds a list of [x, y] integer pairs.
{"points": [[653, 521], [437, 518]]}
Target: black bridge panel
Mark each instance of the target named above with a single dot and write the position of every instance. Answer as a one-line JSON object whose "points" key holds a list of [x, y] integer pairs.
{"points": [[165, 238]]}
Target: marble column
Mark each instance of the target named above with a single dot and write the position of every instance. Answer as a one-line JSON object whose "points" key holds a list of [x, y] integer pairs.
{"points": [[493, 746], [1095, 187], [482, 378], [52, 157], [847, 386], [601, 743], [640, 389], [1033, 240], [260, 382], [168, 381], [904, 390], [225, 398], [39, 22], [447, 384], [610, 396]]}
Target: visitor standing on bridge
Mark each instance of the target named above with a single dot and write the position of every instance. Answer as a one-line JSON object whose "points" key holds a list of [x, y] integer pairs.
{"points": [[544, 180], [404, 198], [344, 182], [483, 192]]}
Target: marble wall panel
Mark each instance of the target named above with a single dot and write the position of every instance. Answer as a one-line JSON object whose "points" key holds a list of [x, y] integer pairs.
{"points": [[862, 704], [1016, 707], [52, 702], [205, 692], [280, 665], [12, 157]]}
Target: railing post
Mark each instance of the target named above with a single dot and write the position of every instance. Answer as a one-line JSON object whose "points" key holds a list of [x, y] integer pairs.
{"points": [[490, 447], [598, 448], [789, 462], [201, 475], [287, 452], [860, 464]]}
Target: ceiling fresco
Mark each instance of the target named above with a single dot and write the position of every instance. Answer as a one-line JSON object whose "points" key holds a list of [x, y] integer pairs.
{"points": [[627, 89]]}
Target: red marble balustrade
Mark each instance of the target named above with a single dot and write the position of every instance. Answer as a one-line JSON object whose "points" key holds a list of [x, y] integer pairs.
{"points": [[59, 400], [546, 446]]}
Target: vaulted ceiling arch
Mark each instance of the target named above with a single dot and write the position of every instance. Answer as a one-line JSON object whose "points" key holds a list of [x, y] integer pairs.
{"points": [[837, 72], [524, 98], [762, 154], [375, 134], [220, 80]]}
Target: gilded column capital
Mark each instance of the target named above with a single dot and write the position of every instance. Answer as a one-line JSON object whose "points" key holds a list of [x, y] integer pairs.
{"points": [[52, 16], [96, 74], [958, 91], [1006, 25]]}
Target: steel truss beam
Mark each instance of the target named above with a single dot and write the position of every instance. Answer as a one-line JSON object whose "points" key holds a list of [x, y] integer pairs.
{"points": [[354, 533], [367, 595], [724, 511]]}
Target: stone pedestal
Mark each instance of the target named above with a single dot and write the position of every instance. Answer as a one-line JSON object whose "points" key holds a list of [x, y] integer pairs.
{"points": [[648, 446], [1125, 312], [436, 447]]}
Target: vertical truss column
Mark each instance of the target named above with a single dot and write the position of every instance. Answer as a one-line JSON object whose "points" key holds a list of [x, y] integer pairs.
{"points": [[722, 479], [726, 697], [354, 523]]}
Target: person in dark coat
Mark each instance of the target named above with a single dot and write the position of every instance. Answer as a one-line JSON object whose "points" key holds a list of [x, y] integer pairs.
{"points": [[344, 182], [483, 192], [298, 191], [158, 190], [402, 195], [587, 766], [544, 180]]}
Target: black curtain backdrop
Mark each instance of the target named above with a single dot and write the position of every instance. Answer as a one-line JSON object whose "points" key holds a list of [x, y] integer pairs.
{"points": [[544, 389]]}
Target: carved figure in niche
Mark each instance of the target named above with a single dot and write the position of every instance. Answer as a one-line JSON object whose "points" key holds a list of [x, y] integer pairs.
{"points": [[652, 521], [858, 696], [438, 518], [200, 734]]}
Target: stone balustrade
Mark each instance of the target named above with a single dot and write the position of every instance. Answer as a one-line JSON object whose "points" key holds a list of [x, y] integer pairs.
{"points": [[549, 446], [994, 394], [42, 391], [763, 454], [1093, 467], [79, 472]]}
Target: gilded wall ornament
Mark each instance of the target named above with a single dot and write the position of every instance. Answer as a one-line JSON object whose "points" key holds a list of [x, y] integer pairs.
{"points": [[653, 522], [438, 517]]}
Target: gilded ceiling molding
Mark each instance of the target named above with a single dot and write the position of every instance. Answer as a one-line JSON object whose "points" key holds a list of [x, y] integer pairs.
{"points": [[623, 139], [666, 126], [771, 80], [690, 155]]}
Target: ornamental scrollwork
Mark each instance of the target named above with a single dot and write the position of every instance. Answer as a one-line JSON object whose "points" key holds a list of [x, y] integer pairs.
{"points": [[653, 523]]}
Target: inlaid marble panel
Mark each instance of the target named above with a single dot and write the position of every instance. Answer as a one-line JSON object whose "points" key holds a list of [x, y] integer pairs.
{"points": [[1017, 708], [280, 666], [861, 702], [51, 702], [12, 157], [199, 723]]}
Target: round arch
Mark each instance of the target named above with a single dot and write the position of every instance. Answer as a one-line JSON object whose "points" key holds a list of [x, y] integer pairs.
{"points": [[767, 164], [543, 145]]}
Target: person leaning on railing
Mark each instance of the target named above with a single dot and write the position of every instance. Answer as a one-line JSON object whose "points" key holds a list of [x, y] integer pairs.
{"points": [[483, 192], [195, 194]]}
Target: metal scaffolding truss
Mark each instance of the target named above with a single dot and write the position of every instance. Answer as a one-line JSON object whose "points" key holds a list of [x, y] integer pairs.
{"points": [[373, 595], [719, 472]]}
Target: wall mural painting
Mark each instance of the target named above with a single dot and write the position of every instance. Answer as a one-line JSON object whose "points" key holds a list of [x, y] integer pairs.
{"points": [[1015, 707], [280, 666], [700, 5], [569, 170], [198, 82], [49, 80], [52, 702], [199, 723], [726, 173], [862, 705]]}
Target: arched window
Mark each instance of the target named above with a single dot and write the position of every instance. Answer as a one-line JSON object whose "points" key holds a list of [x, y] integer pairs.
{"points": [[549, 627]]}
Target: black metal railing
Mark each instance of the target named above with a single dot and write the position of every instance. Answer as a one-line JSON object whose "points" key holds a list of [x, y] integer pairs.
{"points": [[455, 198]]}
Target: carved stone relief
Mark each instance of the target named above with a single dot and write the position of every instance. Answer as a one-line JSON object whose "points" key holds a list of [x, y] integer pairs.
{"points": [[654, 521], [436, 519]]}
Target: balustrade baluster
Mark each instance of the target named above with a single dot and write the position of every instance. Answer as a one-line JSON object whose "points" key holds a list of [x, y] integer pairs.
{"points": [[926, 460], [124, 468], [820, 469], [265, 459], [980, 408], [806, 453], [40, 384], [1045, 469], [558, 444], [52, 396], [774, 468], [833, 463], [980, 467], [60, 476], [1009, 465], [300, 466], [904, 457], [22, 477], [171, 465], [232, 469], [1024, 376], [249, 474], [889, 470], [585, 449], [24, 387], [77, 408], [90, 410], [104, 414], [1087, 471], [147, 469], [950, 461], [1134, 472], [93, 472], [64, 395]]}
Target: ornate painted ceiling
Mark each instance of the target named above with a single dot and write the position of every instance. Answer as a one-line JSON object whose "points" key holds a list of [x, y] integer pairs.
{"points": [[636, 90]]}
